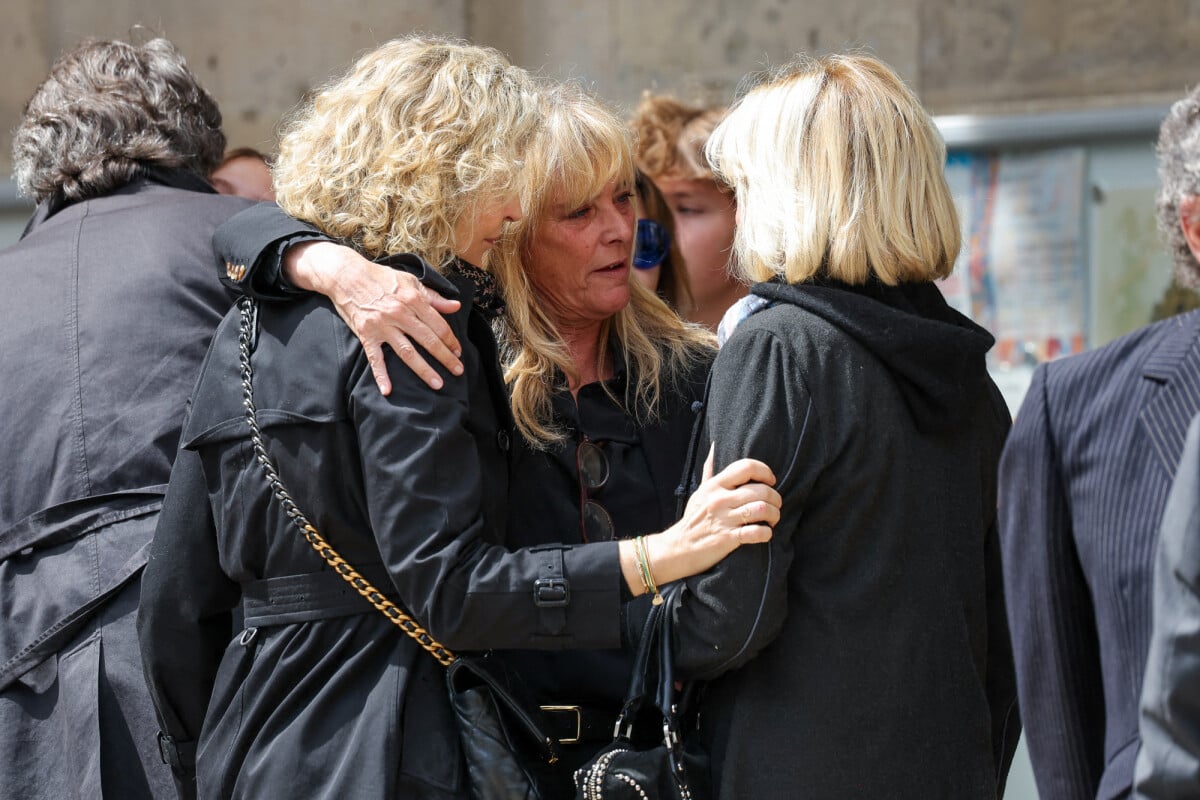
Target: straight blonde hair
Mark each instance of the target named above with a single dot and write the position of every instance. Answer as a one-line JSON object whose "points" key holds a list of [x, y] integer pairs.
{"points": [[580, 147], [839, 173], [416, 136]]}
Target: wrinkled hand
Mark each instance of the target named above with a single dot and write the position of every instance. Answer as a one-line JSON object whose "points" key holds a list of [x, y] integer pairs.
{"points": [[382, 306], [734, 507]]}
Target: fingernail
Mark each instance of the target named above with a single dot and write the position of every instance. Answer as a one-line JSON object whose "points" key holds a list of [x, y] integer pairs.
{"points": [[437, 383], [458, 352], [458, 369]]}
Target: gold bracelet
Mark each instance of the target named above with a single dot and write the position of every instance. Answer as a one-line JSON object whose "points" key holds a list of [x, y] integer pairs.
{"points": [[639, 545]]}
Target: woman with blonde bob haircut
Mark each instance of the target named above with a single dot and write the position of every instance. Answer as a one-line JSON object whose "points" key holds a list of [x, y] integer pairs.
{"points": [[415, 159], [864, 651], [845, 200]]}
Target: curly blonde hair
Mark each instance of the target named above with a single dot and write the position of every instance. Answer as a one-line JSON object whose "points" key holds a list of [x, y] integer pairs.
{"points": [[580, 147], [419, 134], [839, 173], [671, 136]]}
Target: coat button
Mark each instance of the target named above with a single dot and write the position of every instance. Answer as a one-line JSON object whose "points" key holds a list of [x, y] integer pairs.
{"points": [[503, 441], [696, 406]]}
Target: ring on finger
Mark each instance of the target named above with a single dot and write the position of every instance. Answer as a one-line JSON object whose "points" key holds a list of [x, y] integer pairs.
{"points": [[746, 515]]}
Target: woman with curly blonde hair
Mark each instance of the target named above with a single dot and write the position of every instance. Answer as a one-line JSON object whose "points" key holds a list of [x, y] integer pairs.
{"points": [[413, 158]]}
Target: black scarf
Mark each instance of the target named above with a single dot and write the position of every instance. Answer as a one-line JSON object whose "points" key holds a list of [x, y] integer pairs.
{"points": [[488, 298]]}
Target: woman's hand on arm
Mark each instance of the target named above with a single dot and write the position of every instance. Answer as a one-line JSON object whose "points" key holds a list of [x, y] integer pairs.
{"points": [[734, 507], [381, 305]]}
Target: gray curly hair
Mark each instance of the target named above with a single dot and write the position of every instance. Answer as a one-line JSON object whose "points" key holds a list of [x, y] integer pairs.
{"points": [[109, 109], [1179, 176]]}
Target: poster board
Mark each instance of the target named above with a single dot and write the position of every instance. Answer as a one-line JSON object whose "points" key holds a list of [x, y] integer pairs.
{"points": [[1060, 245]]}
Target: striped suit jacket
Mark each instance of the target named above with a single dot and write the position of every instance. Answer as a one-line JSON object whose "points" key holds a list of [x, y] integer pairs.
{"points": [[1083, 483]]}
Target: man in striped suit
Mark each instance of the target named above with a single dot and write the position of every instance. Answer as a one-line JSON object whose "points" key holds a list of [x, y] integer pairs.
{"points": [[1083, 483]]}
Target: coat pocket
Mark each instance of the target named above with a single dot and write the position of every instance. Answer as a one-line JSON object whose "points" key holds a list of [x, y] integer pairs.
{"points": [[52, 729], [223, 743], [430, 750]]}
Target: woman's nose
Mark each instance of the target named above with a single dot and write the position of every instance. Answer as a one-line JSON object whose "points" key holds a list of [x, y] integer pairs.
{"points": [[618, 225], [513, 211]]}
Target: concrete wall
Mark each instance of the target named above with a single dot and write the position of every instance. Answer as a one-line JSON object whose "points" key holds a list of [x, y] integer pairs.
{"points": [[259, 56]]}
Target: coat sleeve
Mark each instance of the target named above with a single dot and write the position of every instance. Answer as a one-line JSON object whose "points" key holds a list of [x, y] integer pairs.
{"points": [[727, 615], [251, 245], [185, 613], [424, 489], [1050, 611], [1168, 764]]}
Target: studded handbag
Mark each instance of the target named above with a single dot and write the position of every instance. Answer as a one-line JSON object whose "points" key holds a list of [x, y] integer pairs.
{"points": [[673, 766]]}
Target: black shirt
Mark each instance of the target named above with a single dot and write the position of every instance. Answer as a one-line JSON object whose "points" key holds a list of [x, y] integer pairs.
{"points": [[545, 509]]}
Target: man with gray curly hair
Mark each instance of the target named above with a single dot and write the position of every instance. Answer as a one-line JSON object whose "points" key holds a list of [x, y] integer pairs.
{"points": [[1083, 484], [1168, 765], [110, 298]]}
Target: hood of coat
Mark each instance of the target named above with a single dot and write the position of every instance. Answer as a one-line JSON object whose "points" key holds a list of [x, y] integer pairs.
{"points": [[935, 354]]}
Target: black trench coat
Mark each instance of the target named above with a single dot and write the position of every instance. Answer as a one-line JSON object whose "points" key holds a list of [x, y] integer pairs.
{"points": [[412, 487], [107, 309]]}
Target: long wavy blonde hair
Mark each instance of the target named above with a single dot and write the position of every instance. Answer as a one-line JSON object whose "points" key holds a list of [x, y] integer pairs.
{"points": [[580, 147], [416, 136]]}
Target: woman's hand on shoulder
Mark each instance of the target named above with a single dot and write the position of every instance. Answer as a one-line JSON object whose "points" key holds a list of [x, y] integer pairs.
{"points": [[736, 506], [382, 306]]}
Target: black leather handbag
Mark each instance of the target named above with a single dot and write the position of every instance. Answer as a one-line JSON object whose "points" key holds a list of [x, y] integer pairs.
{"points": [[674, 766], [501, 733]]}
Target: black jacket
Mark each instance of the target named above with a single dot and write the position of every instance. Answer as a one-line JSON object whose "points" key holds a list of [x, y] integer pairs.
{"points": [[864, 651], [108, 306], [1084, 481], [543, 492], [412, 486]]}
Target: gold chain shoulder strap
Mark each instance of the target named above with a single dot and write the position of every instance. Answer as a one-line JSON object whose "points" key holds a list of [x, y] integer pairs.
{"points": [[249, 317]]}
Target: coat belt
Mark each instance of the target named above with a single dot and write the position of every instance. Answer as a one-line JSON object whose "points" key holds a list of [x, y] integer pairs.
{"points": [[311, 596], [73, 519]]}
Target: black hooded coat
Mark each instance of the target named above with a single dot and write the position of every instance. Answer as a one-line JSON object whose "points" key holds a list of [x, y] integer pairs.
{"points": [[864, 651]]}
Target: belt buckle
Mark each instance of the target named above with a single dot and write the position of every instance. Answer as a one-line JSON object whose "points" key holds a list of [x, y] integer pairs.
{"points": [[578, 721]]}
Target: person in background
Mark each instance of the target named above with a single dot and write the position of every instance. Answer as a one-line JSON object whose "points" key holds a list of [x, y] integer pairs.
{"points": [[1168, 765], [670, 151], [1083, 484], [109, 303], [657, 259], [504, 530], [244, 172], [863, 651]]}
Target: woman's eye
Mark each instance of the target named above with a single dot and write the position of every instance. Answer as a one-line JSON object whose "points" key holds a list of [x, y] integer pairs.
{"points": [[579, 213], [624, 197]]}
